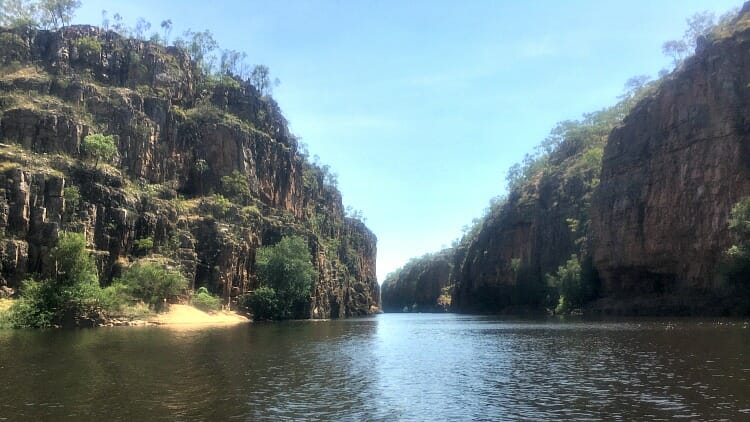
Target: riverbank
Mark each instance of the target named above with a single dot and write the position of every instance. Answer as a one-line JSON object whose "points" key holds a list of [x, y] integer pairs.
{"points": [[183, 316]]}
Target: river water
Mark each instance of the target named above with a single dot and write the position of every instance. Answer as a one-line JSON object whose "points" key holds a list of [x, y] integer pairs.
{"points": [[389, 367]]}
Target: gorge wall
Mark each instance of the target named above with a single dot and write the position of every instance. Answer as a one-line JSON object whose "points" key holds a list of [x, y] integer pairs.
{"points": [[636, 196], [207, 170], [671, 174]]}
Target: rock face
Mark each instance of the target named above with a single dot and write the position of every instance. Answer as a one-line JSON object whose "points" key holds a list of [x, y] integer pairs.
{"points": [[671, 175], [420, 286], [184, 145], [648, 223]]}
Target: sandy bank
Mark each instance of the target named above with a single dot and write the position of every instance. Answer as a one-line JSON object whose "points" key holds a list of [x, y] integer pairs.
{"points": [[185, 315]]}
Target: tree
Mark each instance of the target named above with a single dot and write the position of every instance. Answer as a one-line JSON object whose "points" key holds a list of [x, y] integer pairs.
{"points": [[166, 26], [260, 77], [287, 269], [233, 63], [99, 147], [699, 25], [200, 167], [199, 46], [105, 20], [118, 26], [153, 283], [676, 49], [18, 13], [57, 13], [141, 27]]}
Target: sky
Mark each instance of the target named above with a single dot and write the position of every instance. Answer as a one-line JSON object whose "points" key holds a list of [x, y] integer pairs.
{"points": [[421, 107]]}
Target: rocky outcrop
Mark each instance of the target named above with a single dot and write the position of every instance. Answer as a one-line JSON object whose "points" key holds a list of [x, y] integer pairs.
{"points": [[420, 286], [671, 175], [179, 136]]}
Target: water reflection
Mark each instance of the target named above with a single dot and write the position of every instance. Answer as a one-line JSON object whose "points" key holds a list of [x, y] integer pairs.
{"points": [[405, 367]]}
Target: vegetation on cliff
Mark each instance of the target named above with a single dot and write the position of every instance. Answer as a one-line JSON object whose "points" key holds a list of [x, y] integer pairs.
{"points": [[736, 268], [164, 154]]}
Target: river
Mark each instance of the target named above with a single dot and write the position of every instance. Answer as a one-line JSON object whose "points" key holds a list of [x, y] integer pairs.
{"points": [[389, 367]]}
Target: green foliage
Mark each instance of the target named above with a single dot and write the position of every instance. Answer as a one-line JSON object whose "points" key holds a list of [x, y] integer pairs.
{"points": [[73, 262], [736, 268], [219, 207], [19, 13], [72, 197], [701, 24], [206, 302], [12, 51], [143, 246], [44, 13], [576, 284], [200, 47], [57, 13], [89, 48], [287, 269], [99, 147], [263, 303], [236, 187], [153, 283], [260, 77], [71, 297]]}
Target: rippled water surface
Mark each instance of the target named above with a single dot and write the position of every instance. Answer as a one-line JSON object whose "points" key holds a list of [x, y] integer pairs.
{"points": [[391, 367]]}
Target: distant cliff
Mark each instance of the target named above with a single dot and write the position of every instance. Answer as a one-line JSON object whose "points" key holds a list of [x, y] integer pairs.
{"points": [[187, 149], [419, 286]]}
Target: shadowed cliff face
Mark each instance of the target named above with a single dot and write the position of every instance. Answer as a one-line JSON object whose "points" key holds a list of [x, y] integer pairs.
{"points": [[177, 137], [671, 175], [420, 286]]}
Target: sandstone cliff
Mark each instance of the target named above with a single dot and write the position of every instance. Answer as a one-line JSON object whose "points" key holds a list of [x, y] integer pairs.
{"points": [[671, 174], [181, 140]]}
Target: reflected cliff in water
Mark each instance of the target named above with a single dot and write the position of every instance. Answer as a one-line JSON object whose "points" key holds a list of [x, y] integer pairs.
{"points": [[407, 367]]}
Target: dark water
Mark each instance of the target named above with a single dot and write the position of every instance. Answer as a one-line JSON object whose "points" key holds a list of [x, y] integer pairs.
{"points": [[392, 367]]}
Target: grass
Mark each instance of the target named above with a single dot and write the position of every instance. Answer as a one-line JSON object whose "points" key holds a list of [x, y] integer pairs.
{"points": [[10, 74], [5, 305], [14, 156]]}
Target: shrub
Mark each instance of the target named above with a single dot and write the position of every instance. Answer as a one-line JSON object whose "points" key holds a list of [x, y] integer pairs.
{"points": [[73, 263], [263, 303], [71, 297], [219, 207], [72, 197], [143, 246], [575, 284], [89, 48], [204, 301], [236, 187], [153, 283]]}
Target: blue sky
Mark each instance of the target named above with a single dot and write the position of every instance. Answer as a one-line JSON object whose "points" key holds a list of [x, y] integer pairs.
{"points": [[422, 106]]}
